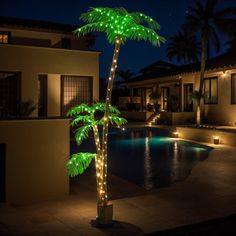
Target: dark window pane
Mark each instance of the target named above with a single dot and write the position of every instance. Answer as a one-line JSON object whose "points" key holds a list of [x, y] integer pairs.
{"points": [[42, 95], [211, 90], [9, 94], [75, 90]]}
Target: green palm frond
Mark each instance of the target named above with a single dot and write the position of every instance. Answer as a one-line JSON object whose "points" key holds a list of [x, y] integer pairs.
{"points": [[113, 110], [142, 18], [99, 106], [82, 133], [140, 32], [82, 108], [114, 119], [118, 23], [79, 119], [117, 120], [102, 14], [79, 162]]}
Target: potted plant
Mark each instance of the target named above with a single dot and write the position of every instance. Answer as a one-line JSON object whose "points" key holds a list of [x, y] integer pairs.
{"points": [[154, 97]]}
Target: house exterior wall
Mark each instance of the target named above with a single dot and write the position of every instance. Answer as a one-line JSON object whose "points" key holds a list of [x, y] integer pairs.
{"points": [[36, 154], [42, 38], [207, 135], [221, 113], [54, 95], [32, 61]]}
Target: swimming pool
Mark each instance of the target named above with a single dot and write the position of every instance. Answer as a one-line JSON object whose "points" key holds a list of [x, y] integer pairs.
{"points": [[149, 157]]}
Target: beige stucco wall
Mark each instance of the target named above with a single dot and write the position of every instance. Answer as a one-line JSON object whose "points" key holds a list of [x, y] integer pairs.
{"points": [[176, 118], [54, 95], [224, 112], [36, 155], [32, 61], [207, 135], [20, 36]]}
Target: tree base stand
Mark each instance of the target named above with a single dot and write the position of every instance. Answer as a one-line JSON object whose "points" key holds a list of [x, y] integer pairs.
{"points": [[104, 218]]}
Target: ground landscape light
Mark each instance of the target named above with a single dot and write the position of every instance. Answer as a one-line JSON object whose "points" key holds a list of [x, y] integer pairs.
{"points": [[176, 134], [216, 140]]}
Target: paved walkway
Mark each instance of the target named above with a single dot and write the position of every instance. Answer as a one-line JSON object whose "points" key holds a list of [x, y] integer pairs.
{"points": [[208, 193]]}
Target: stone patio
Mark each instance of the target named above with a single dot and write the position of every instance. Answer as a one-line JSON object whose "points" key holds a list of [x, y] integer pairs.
{"points": [[208, 193]]}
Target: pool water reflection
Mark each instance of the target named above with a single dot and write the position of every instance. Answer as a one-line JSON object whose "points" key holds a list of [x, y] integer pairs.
{"points": [[149, 157]]}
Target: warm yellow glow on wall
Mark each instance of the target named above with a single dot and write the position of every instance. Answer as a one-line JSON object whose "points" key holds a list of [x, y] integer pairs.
{"points": [[3, 38], [216, 140]]}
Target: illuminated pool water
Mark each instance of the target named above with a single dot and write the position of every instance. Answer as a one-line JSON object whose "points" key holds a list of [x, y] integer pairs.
{"points": [[149, 157]]}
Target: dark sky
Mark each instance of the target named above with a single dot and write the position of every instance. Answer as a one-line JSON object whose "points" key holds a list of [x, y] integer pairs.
{"points": [[134, 55]]}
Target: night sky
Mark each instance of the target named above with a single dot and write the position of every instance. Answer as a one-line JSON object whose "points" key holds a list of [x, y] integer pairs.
{"points": [[134, 55]]}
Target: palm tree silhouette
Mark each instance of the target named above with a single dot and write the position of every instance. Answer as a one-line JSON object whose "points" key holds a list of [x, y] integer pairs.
{"points": [[119, 26], [207, 20], [125, 74], [184, 47]]}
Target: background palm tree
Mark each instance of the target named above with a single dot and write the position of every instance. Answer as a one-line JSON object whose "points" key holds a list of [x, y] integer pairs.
{"points": [[207, 20], [231, 43], [119, 26], [125, 75], [183, 47]]}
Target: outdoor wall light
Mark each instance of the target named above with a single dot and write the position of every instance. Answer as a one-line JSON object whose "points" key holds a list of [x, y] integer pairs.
{"points": [[216, 140], [224, 73], [123, 129], [176, 134]]}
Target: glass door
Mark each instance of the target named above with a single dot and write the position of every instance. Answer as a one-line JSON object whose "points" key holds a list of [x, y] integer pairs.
{"points": [[188, 89], [165, 92]]}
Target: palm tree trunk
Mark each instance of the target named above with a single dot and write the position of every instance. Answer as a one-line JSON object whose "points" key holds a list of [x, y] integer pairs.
{"points": [[201, 82], [198, 114], [98, 162], [103, 189]]}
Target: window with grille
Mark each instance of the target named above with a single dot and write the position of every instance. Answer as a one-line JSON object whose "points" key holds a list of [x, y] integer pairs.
{"points": [[9, 94], [233, 88], [165, 93], [4, 37], [75, 90], [211, 90]]}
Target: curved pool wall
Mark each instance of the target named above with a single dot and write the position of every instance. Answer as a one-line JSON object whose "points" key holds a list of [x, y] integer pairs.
{"points": [[149, 157]]}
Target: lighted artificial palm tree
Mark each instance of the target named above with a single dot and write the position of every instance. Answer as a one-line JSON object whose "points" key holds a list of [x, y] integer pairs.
{"points": [[119, 26], [183, 47], [206, 19], [88, 118]]}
